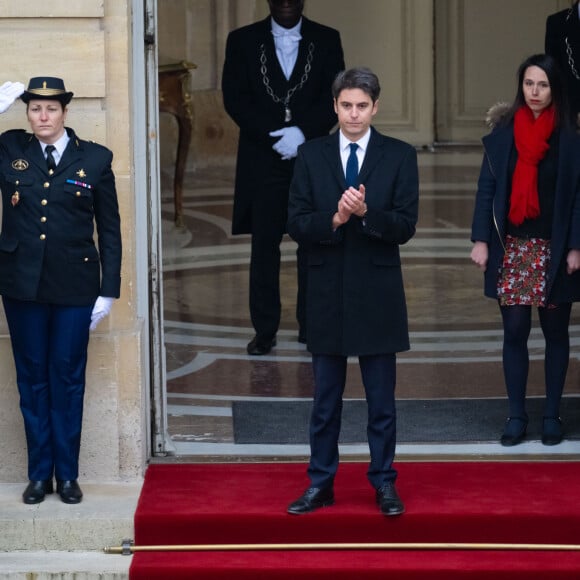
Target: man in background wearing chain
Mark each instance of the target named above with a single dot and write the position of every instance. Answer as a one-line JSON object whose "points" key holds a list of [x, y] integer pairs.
{"points": [[276, 85], [562, 42]]}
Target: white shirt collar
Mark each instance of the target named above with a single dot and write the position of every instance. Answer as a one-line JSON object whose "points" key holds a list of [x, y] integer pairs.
{"points": [[278, 30], [363, 142], [60, 145]]}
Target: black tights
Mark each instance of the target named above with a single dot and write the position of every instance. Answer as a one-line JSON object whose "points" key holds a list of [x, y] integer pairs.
{"points": [[517, 323]]}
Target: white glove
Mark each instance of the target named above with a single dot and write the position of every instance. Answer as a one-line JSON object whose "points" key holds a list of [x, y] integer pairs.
{"points": [[101, 308], [290, 139], [9, 92]]}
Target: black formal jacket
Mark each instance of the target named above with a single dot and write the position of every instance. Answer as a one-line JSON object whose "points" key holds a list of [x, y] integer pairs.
{"points": [[47, 250], [248, 103], [355, 295], [559, 26]]}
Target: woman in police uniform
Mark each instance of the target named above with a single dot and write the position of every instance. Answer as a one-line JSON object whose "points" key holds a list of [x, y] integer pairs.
{"points": [[56, 284]]}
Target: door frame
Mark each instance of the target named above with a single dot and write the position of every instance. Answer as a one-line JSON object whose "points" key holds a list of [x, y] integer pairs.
{"points": [[149, 274]]}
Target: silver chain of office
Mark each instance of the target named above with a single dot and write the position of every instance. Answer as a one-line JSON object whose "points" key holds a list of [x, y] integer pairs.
{"points": [[571, 62], [286, 100]]}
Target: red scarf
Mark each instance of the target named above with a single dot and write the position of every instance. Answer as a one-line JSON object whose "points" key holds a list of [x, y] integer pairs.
{"points": [[531, 137]]}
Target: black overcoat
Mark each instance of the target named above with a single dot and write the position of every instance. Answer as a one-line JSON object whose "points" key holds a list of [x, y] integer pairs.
{"points": [[491, 208], [47, 247], [250, 51], [559, 27], [356, 300]]}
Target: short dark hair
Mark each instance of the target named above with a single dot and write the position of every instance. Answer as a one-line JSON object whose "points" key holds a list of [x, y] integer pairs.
{"points": [[559, 97], [362, 78]]}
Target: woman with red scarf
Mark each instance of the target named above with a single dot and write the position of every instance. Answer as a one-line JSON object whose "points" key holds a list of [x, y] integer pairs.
{"points": [[526, 234]]}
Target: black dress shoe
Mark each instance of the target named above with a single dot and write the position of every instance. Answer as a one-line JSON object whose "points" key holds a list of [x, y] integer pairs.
{"points": [[389, 501], [259, 345], [514, 431], [69, 491], [36, 490], [552, 431], [312, 499]]}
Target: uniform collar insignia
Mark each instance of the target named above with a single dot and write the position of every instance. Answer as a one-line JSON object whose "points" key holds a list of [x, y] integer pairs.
{"points": [[20, 164]]}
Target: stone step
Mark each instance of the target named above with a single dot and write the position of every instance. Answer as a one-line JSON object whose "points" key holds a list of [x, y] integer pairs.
{"points": [[60, 565], [54, 540]]}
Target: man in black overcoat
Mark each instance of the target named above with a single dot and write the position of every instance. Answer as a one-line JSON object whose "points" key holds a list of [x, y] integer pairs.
{"points": [[351, 224], [276, 87], [562, 42]]}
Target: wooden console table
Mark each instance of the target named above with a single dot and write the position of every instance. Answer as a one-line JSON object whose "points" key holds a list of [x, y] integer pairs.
{"points": [[174, 98]]}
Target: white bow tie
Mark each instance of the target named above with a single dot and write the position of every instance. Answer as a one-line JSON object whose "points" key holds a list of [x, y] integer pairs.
{"points": [[288, 35]]}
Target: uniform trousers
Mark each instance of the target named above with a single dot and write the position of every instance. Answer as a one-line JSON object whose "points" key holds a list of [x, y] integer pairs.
{"points": [[269, 217], [49, 344], [379, 377]]}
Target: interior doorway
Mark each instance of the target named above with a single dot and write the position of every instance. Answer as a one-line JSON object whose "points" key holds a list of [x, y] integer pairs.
{"points": [[214, 397]]}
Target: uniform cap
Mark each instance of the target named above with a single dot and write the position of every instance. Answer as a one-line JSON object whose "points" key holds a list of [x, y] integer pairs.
{"points": [[46, 88]]}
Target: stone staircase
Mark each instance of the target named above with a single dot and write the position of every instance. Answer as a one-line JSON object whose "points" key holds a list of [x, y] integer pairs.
{"points": [[52, 540]]}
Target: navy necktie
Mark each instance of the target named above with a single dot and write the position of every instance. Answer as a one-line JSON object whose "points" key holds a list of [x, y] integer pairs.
{"points": [[49, 158], [352, 167]]}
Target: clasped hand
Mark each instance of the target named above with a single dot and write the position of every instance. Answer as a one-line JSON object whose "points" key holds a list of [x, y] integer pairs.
{"points": [[9, 92], [290, 139], [352, 202]]}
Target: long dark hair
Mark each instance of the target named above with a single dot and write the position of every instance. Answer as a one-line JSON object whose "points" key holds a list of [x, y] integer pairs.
{"points": [[559, 97]]}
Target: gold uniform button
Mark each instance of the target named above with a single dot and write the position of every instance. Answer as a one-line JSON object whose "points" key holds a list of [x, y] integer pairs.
{"points": [[46, 184], [43, 202], [78, 194], [42, 237], [86, 259], [43, 219]]}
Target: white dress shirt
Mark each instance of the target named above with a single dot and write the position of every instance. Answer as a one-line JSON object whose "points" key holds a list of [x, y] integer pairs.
{"points": [[344, 145], [286, 41], [59, 145]]}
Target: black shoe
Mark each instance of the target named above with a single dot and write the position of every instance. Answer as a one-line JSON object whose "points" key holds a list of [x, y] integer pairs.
{"points": [[69, 491], [514, 431], [552, 432], [389, 501], [312, 499], [259, 345], [36, 490]]}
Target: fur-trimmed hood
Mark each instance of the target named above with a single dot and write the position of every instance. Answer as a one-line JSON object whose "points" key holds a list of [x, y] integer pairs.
{"points": [[496, 113]]}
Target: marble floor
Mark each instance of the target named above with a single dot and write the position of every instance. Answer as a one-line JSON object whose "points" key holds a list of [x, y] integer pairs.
{"points": [[455, 331]]}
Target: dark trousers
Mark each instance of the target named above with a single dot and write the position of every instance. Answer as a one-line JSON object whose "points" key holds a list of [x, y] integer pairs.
{"points": [[269, 217], [49, 343], [379, 377]]}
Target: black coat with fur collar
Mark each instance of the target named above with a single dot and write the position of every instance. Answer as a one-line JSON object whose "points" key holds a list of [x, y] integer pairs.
{"points": [[491, 203]]}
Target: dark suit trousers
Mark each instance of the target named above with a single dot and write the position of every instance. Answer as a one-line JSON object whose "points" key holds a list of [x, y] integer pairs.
{"points": [[379, 377], [269, 217], [49, 343]]}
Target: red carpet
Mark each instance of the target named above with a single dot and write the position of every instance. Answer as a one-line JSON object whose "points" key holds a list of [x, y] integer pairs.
{"points": [[483, 502]]}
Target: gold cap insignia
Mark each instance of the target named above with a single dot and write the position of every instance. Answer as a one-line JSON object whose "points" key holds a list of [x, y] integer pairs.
{"points": [[20, 164], [81, 173]]}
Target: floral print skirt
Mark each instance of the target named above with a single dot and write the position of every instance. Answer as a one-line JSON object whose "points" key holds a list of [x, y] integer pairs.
{"points": [[523, 275]]}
